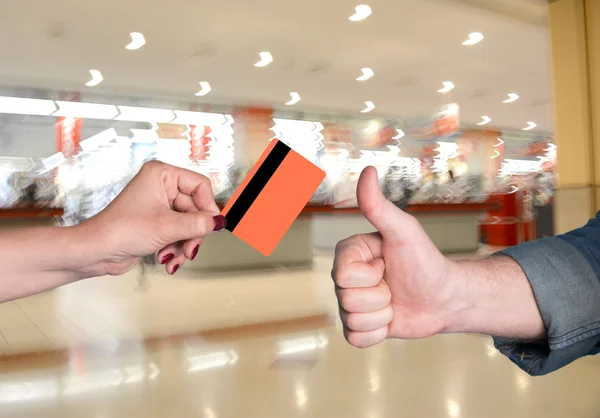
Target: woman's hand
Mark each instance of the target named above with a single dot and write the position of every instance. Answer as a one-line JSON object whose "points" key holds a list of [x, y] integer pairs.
{"points": [[164, 209]]}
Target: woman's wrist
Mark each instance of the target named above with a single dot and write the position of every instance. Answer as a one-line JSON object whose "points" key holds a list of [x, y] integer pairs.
{"points": [[86, 248]]}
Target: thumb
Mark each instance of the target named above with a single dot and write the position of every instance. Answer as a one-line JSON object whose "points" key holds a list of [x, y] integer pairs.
{"points": [[181, 226], [393, 223]]}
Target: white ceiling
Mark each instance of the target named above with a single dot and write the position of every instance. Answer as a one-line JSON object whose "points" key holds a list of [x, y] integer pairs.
{"points": [[412, 45]]}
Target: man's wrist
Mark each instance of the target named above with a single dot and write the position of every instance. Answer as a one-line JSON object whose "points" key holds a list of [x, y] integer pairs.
{"points": [[492, 296], [459, 303]]}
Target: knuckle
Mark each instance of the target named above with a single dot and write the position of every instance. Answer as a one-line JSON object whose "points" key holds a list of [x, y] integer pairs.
{"points": [[353, 240], [347, 301], [341, 276], [355, 339], [152, 165], [202, 225], [353, 322]]}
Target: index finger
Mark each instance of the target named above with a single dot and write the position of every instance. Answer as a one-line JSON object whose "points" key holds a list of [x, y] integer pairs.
{"points": [[358, 248], [198, 187]]}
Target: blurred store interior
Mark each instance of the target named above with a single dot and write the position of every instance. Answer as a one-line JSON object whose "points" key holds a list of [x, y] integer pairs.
{"points": [[453, 101]]}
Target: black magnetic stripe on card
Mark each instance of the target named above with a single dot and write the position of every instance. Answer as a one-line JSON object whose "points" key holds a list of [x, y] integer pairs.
{"points": [[256, 185]]}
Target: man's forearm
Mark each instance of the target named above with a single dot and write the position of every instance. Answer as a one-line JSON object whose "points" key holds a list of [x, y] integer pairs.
{"points": [[493, 296], [38, 259]]}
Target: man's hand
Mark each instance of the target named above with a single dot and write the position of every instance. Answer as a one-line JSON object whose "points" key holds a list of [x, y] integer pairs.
{"points": [[397, 284], [391, 284]]}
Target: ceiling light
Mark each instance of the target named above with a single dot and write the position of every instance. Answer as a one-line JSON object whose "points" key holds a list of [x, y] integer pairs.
{"points": [[485, 120], [512, 97], [448, 86], [474, 38], [86, 110], [265, 59], [530, 126], [96, 78], [20, 106], [204, 89], [187, 117], [145, 114], [362, 12], [137, 41], [295, 98], [366, 74], [370, 106]]}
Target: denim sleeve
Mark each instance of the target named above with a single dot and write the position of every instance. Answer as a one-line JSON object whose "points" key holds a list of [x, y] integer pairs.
{"points": [[564, 273]]}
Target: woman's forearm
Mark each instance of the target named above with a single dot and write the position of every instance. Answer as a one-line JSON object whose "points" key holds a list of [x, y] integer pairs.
{"points": [[494, 297], [38, 259]]}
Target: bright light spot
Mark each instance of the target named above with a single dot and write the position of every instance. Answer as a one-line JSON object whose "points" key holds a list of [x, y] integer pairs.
{"points": [[370, 106], [301, 396], [361, 12], [265, 59], [98, 140], [448, 86], [500, 142], [374, 380], [366, 74], [474, 38], [86, 110], [204, 89], [145, 114], [211, 360], [446, 151], [19, 106], [209, 413], [302, 345], [522, 381], [512, 97], [530, 126], [453, 409], [137, 41], [484, 120], [491, 350], [517, 167], [96, 78], [295, 98]]}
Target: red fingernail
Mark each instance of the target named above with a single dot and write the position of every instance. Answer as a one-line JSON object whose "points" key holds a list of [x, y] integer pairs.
{"points": [[220, 222], [175, 269], [195, 251], [167, 258]]}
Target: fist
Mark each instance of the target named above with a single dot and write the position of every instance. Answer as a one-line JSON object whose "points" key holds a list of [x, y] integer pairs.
{"points": [[392, 283]]}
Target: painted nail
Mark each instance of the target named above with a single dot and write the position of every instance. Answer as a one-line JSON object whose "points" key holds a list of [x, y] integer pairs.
{"points": [[167, 258], [195, 251], [220, 222], [175, 269]]}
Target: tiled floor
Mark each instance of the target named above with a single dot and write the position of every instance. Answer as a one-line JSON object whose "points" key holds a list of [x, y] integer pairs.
{"points": [[110, 308], [107, 364], [295, 370]]}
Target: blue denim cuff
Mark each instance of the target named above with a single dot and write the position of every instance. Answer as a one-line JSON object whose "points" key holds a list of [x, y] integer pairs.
{"points": [[567, 292]]}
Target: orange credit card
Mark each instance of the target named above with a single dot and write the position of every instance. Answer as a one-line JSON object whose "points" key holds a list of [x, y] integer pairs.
{"points": [[271, 197]]}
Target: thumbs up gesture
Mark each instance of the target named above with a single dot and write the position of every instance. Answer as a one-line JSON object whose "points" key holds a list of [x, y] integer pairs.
{"points": [[393, 283]]}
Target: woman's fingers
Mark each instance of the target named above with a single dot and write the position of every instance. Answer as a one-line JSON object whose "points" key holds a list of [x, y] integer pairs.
{"points": [[191, 248], [172, 266]]}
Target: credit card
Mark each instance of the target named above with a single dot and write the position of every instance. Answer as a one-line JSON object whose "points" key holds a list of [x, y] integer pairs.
{"points": [[271, 197]]}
